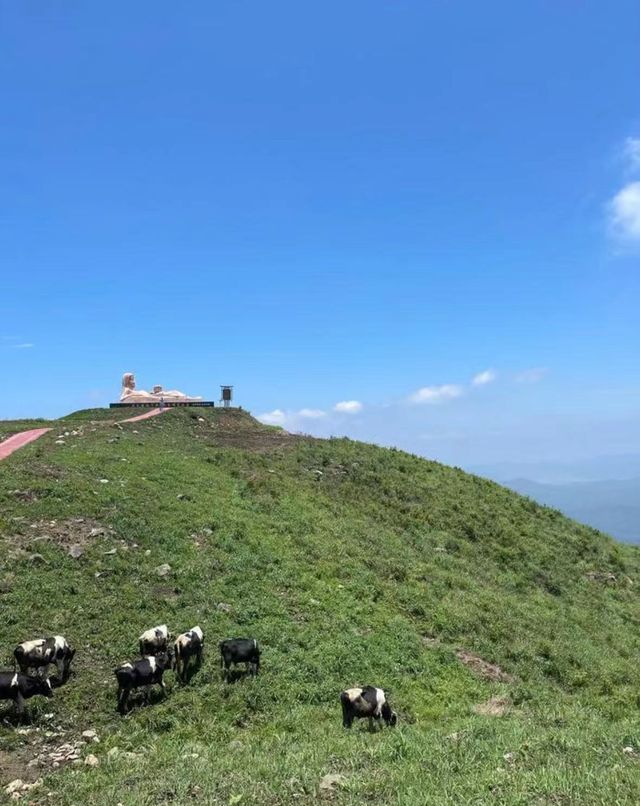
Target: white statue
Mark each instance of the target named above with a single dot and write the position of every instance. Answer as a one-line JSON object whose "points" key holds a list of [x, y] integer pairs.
{"points": [[132, 395]]}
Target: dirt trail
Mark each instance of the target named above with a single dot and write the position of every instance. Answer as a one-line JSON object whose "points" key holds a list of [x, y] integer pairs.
{"points": [[144, 416], [16, 441]]}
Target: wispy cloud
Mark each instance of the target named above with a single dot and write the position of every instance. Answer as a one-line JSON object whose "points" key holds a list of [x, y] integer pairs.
{"points": [[348, 407], [532, 375], [483, 378], [290, 419], [623, 209], [631, 154], [275, 417], [435, 394], [624, 214], [311, 414], [14, 343]]}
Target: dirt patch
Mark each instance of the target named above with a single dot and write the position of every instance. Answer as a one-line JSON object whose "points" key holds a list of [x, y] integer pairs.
{"points": [[62, 533], [496, 706], [605, 577], [166, 592], [15, 764], [237, 429], [484, 669]]}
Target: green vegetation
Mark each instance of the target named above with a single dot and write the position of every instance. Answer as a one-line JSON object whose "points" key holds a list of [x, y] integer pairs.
{"points": [[351, 564]]}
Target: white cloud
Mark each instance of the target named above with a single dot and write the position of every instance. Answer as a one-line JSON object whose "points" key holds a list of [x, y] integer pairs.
{"points": [[435, 394], [483, 378], [631, 153], [13, 343], [624, 213], [311, 414], [532, 375], [348, 406], [290, 419], [275, 417]]}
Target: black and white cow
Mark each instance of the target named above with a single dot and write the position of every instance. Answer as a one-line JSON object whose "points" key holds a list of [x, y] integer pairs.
{"points": [[42, 652], [188, 645], [154, 641], [20, 687], [138, 673], [239, 650], [366, 702]]}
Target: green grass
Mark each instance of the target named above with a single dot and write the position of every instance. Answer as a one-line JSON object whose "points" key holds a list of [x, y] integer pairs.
{"points": [[351, 564]]}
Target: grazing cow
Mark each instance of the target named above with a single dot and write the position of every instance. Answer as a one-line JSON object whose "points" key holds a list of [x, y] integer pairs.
{"points": [[366, 702], [154, 641], [42, 652], [145, 672], [240, 650], [20, 687], [188, 645]]}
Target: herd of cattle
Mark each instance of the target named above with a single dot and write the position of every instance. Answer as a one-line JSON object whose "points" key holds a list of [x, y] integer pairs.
{"points": [[33, 659]]}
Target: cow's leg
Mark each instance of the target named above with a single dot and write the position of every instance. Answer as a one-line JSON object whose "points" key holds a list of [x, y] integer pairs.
{"points": [[371, 727], [123, 699], [19, 701]]}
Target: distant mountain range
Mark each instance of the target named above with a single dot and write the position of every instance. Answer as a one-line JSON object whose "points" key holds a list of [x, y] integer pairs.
{"points": [[612, 506], [603, 492]]}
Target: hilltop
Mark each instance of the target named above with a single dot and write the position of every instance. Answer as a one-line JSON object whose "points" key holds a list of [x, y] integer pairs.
{"points": [[506, 634]]}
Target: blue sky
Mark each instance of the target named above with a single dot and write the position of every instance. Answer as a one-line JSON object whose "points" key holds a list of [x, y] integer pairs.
{"points": [[323, 203]]}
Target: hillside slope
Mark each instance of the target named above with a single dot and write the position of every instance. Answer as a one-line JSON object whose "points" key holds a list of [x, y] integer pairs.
{"points": [[351, 564]]}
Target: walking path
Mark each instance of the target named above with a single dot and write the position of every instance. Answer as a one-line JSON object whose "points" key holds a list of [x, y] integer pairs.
{"points": [[22, 438], [16, 441], [144, 416]]}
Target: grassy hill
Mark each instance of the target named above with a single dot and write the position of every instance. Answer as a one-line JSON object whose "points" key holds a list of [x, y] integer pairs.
{"points": [[506, 635]]}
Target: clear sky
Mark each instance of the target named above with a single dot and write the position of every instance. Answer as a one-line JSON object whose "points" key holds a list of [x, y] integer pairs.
{"points": [[322, 203]]}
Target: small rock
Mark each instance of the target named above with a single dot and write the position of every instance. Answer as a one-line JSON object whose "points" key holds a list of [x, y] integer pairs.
{"points": [[14, 786], [76, 551], [163, 570], [91, 760], [223, 607], [89, 734], [97, 531], [147, 552], [113, 752], [332, 780], [629, 751], [36, 559], [104, 481], [111, 551]]}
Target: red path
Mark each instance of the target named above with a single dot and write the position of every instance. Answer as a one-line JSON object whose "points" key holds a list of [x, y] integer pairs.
{"points": [[144, 416], [22, 438], [18, 440]]}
